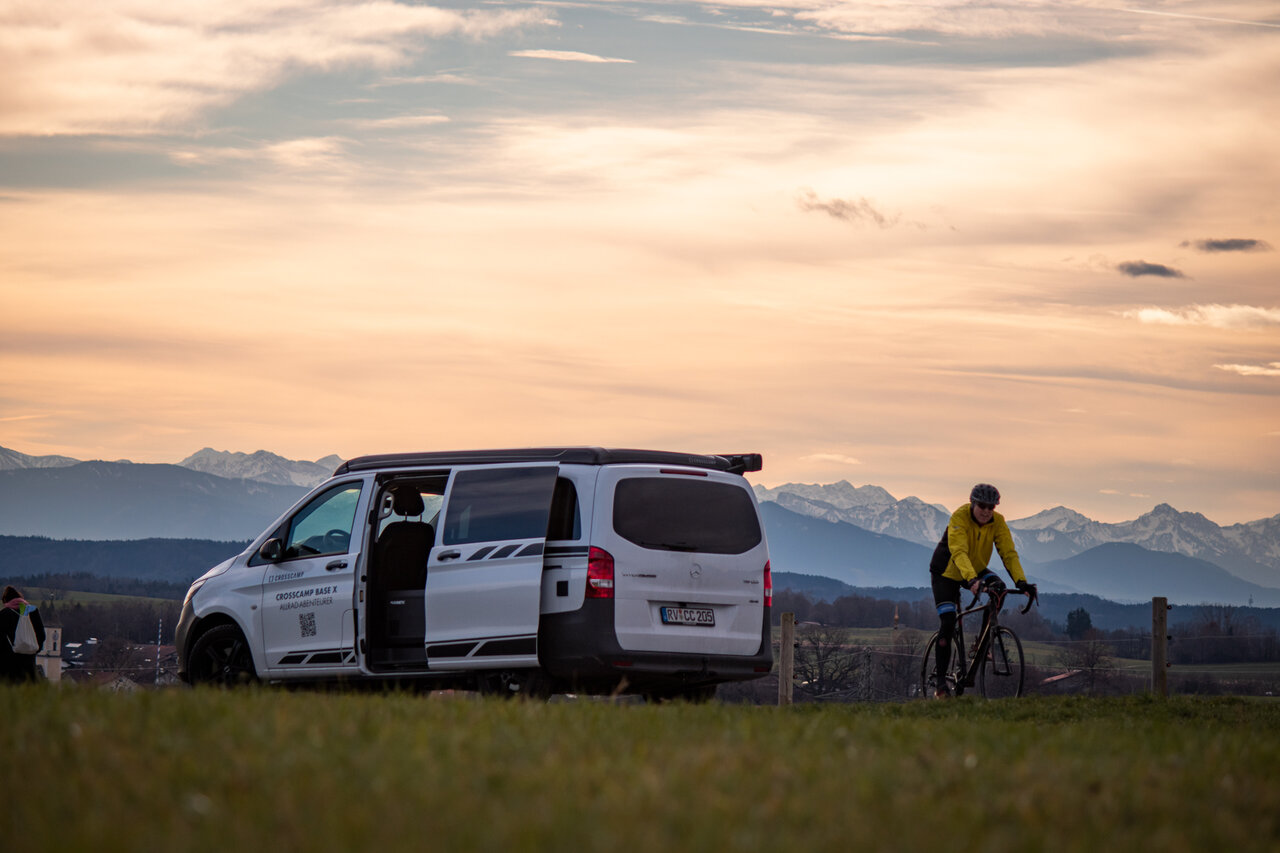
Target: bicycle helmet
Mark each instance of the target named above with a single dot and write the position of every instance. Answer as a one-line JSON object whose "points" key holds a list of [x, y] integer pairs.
{"points": [[985, 493]]}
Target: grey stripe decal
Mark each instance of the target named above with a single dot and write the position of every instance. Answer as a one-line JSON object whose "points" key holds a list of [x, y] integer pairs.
{"points": [[567, 551]]}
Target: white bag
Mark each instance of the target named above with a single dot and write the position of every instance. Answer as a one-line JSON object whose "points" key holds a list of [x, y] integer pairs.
{"points": [[24, 637]]}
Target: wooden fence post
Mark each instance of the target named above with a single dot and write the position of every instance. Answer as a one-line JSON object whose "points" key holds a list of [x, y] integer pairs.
{"points": [[1160, 646], [787, 659]]}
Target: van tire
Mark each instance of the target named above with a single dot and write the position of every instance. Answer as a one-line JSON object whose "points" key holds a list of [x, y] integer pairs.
{"points": [[220, 657]]}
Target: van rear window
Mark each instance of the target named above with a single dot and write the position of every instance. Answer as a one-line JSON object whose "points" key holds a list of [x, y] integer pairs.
{"points": [[685, 514]]}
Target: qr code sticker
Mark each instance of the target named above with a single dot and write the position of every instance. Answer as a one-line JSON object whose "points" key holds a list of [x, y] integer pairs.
{"points": [[307, 621]]}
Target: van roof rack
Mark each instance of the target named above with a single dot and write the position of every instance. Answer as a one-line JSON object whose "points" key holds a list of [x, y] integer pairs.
{"points": [[733, 463]]}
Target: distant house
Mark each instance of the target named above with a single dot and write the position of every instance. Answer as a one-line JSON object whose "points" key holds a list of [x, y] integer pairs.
{"points": [[121, 667], [49, 658]]}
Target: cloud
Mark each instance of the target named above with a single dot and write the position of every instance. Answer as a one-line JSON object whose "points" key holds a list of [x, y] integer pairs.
{"points": [[1138, 268], [565, 56], [303, 154], [837, 458], [1217, 316], [1202, 18], [401, 122], [1234, 244], [1272, 369], [148, 66], [854, 210], [952, 17]]}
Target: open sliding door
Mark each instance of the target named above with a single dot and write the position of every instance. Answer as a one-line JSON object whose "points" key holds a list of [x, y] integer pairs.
{"points": [[484, 576]]}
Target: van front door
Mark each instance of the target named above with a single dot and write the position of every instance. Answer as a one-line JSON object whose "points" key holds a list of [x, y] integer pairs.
{"points": [[307, 589], [484, 577]]}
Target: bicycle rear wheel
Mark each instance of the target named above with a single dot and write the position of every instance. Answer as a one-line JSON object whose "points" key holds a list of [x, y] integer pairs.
{"points": [[929, 668], [1001, 674]]}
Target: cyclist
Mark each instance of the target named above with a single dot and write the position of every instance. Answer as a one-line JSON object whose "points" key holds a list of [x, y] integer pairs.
{"points": [[960, 560]]}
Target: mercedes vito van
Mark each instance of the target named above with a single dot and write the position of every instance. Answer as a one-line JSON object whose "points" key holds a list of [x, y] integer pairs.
{"points": [[577, 569]]}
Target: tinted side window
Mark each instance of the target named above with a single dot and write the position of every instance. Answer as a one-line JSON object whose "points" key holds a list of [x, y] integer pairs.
{"points": [[566, 518], [685, 514], [495, 504]]}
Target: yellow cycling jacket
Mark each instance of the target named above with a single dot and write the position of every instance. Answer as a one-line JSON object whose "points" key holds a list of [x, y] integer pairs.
{"points": [[965, 549]]}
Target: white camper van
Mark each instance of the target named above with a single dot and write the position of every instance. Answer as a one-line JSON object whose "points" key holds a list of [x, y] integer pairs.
{"points": [[578, 569]]}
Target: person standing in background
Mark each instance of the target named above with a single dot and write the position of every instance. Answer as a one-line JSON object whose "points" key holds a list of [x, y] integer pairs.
{"points": [[15, 666]]}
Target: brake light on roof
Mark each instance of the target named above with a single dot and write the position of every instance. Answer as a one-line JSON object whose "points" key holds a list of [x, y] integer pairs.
{"points": [[682, 471], [768, 585], [599, 573]]}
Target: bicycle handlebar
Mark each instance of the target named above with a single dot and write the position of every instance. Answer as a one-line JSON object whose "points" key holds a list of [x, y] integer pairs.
{"points": [[1032, 595]]}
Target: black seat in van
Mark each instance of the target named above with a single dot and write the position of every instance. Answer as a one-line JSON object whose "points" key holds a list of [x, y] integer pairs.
{"points": [[400, 572], [400, 555]]}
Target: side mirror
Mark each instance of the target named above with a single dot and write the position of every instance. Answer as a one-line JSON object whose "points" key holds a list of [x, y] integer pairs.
{"points": [[271, 550]]}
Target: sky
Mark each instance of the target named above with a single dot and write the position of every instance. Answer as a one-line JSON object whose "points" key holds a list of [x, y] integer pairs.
{"points": [[911, 244]]}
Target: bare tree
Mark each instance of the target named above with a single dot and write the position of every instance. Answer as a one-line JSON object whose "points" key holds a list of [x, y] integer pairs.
{"points": [[1091, 658], [824, 663], [901, 666]]}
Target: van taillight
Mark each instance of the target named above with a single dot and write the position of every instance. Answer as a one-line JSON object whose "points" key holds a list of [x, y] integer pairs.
{"points": [[599, 573], [768, 585]]}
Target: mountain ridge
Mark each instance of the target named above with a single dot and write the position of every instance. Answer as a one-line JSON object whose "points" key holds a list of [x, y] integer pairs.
{"points": [[1249, 551], [867, 536]]}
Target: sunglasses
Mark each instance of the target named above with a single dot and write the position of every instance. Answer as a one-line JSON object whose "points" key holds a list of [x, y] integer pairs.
{"points": [[983, 506]]}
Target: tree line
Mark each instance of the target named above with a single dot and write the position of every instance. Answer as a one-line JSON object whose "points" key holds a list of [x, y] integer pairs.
{"points": [[134, 621], [57, 586]]}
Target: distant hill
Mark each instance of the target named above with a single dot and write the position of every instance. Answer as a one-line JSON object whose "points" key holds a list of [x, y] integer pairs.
{"points": [[805, 545], [178, 561], [123, 500], [817, 587], [1128, 572]]}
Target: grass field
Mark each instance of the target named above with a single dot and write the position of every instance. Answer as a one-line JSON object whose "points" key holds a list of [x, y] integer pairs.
{"points": [[302, 771]]}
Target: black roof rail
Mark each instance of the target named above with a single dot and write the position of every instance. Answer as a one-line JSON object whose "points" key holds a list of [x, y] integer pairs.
{"points": [[736, 463]]}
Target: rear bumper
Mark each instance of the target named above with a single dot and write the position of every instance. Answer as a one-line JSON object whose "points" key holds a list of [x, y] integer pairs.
{"points": [[580, 649]]}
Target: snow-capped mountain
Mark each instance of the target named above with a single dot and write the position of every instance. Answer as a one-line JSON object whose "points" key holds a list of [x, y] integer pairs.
{"points": [[261, 466], [1249, 551], [869, 507], [12, 460], [1245, 552]]}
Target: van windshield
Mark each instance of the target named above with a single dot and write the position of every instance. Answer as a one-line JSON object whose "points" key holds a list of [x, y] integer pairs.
{"points": [[685, 514]]}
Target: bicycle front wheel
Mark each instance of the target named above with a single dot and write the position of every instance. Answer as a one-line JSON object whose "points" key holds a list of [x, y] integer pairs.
{"points": [[1002, 674], [929, 669]]}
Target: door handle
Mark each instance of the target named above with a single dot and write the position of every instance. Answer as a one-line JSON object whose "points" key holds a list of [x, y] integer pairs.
{"points": [[448, 555], [335, 565]]}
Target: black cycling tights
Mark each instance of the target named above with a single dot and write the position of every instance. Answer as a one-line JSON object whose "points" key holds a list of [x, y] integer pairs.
{"points": [[946, 595], [946, 630]]}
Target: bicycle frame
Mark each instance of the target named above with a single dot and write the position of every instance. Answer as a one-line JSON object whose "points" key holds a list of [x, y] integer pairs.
{"points": [[991, 622]]}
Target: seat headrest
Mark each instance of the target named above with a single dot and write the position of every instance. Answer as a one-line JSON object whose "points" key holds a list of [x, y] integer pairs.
{"points": [[407, 501]]}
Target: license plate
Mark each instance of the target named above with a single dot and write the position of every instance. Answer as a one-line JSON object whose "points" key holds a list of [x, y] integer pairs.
{"points": [[688, 616]]}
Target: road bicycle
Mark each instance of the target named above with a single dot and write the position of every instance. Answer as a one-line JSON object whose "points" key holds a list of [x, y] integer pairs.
{"points": [[994, 664]]}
